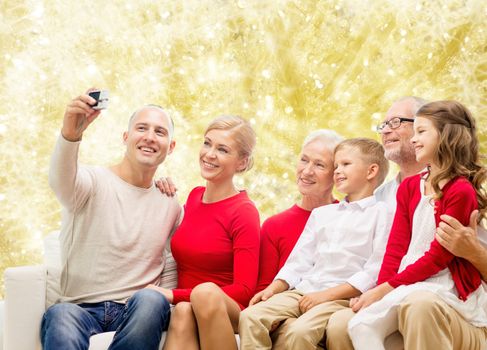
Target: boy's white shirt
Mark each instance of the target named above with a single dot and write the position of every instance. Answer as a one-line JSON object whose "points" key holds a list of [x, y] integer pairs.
{"points": [[343, 242]]}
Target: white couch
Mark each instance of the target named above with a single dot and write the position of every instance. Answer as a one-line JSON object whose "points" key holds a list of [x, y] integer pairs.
{"points": [[1, 324]]}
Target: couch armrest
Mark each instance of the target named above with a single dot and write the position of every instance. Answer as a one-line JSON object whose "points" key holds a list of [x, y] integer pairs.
{"points": [[1, 324], [169, 277], [25, 303]]}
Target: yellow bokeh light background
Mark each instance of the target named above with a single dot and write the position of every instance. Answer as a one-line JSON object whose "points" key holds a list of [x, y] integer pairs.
{"points": [[288, 66]]}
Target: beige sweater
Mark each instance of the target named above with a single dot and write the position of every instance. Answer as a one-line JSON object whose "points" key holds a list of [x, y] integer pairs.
{"points": [[113, 234]]}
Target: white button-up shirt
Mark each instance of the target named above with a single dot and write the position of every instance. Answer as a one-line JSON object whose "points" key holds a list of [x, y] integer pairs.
{"points": [[342, 242], [387, 193]]}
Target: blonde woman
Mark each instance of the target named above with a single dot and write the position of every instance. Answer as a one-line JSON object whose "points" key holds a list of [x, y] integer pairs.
{"points": [[216, 247]]}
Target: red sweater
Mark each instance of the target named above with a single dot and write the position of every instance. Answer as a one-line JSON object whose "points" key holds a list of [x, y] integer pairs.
{"points": [[217, 242], [278, 236], [459, 200]]}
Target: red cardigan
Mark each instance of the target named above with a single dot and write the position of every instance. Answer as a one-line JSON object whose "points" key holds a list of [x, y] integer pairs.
{"points": [[459, 200]]}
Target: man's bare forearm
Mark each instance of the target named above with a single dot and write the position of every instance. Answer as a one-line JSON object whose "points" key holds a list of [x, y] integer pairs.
{"points": [[479, 260]]}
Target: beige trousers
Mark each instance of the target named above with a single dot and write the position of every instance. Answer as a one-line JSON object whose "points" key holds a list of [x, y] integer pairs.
{"points": [[304, 333], [426, 322], [278, 336]]}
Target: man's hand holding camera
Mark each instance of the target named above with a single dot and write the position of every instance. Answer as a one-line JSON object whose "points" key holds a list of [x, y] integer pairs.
{"points": [[79, 114]]}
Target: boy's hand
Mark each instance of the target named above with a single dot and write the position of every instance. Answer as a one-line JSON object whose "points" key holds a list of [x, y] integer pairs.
{"points": [[341, 291], [263, 295], [260, 296], [370, 296], [275, 287], [310, 300], [166, 186]]}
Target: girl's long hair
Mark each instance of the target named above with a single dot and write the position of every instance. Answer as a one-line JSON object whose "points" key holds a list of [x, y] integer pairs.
{"points": [[458, 148]]}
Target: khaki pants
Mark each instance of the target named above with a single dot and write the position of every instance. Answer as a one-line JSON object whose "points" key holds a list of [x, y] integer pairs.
{"points": [[279, 335], [304, 333], [337, 331], [337, 337], [426, 323]]}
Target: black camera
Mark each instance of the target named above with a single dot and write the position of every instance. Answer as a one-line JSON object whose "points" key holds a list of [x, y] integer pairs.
{"points": [[101, 97]]}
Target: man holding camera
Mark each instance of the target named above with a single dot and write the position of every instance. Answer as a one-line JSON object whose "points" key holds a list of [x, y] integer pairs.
{"points": [[115, 224]]}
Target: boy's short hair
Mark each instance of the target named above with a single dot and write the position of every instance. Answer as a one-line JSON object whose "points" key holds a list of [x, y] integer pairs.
{"points": [[373, 153]]}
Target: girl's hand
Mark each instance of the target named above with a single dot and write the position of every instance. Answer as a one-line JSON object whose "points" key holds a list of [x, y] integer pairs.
{"points": [[353, 301], [166, 186], [371, 296]]}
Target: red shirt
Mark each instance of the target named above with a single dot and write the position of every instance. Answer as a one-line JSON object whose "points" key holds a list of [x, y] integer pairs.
{"points": [[217, 242], [459, 200], [278, 236]]}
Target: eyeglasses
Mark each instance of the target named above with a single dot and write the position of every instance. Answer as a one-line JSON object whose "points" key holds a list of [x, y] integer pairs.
{"points": [[393, 123]]}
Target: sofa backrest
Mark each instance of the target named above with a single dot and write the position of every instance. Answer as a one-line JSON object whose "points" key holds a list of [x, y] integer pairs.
{"points": [[52, 261]]}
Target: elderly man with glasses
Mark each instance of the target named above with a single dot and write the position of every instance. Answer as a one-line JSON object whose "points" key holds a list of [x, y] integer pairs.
{"points": [[425, 321]]}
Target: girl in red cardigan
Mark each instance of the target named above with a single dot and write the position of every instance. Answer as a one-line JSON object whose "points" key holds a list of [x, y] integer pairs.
{"points": [[216, 246], [445, 139]]}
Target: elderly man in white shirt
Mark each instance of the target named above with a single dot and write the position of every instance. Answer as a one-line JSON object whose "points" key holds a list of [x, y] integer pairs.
{"points": [[337, 256]]}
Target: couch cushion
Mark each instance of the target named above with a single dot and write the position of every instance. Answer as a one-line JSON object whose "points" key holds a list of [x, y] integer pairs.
{"points": [[52, 260], [102, 341]]}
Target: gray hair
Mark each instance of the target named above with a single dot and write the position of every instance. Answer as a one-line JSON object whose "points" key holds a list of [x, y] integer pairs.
{"points": [[329, 138], [417, 102], [164, 111]]}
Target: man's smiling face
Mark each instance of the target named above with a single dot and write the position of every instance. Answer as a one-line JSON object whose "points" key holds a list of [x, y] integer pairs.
{"points": [[396, 142], [148, 139]]}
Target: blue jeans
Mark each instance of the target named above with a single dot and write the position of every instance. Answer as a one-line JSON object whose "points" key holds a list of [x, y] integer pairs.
{"points": [[138, 324]]}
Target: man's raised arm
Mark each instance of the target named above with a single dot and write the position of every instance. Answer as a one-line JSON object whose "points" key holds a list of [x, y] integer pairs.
{"points": [[63, 171]]}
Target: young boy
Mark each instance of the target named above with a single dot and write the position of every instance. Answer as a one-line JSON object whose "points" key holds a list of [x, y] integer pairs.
{"points": [[337, 257]]}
